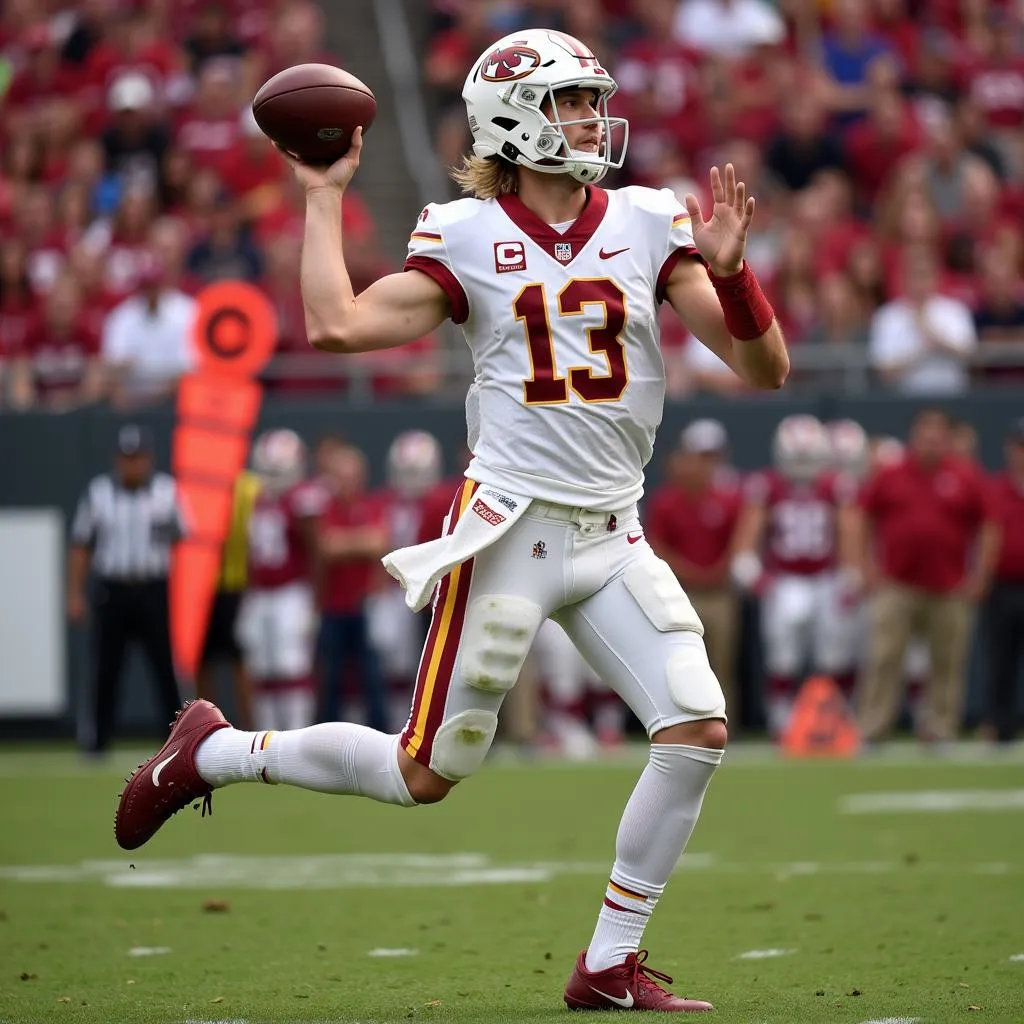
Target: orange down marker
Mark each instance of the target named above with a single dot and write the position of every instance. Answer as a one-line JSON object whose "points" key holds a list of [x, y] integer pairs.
{"points": [[821, 724], [218, 406]]}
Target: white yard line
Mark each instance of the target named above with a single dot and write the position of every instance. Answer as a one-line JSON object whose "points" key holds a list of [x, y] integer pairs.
{"points": [[393, 952], [933, 801], [763, 954], [404, 870], [149, 950], [894, 1020]]}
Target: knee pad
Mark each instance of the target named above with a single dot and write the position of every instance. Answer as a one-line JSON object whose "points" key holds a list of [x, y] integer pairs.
{"points": [[461, 744], [692, 684], [496, 637], [657, 591]]}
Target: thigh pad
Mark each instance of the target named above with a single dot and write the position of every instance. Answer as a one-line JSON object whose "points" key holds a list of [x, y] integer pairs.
{"points": [[692, 683], [496, 637], [657, 591]]}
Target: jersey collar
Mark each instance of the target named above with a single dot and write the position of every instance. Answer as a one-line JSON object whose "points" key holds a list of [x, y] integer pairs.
{"points": [[547, 237]]}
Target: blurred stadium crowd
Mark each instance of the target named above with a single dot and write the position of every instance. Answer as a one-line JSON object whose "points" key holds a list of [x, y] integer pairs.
{"points": [[864, 560], [883, 139], [132, 175]]}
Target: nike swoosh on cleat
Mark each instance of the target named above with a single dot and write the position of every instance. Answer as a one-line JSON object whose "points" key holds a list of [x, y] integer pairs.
{"points": [[615, 252], [626, 1002], [632, 539], [163, 764]]}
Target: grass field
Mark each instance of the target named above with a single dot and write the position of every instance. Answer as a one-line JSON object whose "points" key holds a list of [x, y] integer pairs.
{"points": [[812, 892]]}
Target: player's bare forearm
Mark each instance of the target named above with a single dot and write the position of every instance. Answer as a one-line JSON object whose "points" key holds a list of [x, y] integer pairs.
{"points": [[327, 296], [761, 362], [340, 543], [749, 530], [393, 311], [849, 539]]}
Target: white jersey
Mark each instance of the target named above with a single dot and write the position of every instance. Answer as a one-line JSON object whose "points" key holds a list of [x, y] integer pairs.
{"points": [[569, 380]]}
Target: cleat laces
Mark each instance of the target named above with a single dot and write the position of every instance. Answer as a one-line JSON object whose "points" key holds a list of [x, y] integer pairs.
{"points": [[643, 976]]}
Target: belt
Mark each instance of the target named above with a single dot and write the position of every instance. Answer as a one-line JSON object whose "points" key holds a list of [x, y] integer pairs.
{"points": [[577, 514]]}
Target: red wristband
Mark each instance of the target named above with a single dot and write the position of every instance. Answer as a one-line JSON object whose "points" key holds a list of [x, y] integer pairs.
{"points": [[748, 314]]}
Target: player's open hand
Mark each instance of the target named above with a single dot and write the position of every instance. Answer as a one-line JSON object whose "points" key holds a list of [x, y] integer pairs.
{"points": [[722, 239], [337, 176]]}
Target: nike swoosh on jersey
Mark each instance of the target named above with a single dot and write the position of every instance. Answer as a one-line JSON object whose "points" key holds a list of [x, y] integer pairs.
{"points": [[162, 765], [632, 539], [626, 1001], [615, 252]]}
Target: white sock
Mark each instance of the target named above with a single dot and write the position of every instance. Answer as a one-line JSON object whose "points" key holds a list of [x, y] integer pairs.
{"points": [[335, 757], [653, 833]]}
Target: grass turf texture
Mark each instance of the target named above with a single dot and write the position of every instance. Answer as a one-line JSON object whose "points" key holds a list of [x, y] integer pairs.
{"points": [[905, 915]]}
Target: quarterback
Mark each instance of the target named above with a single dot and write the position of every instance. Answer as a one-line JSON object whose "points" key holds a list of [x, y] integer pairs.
{"points": [[556, 284]]}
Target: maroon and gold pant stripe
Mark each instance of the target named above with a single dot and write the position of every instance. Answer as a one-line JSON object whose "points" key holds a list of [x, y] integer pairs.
{"points": [[438, 659]]}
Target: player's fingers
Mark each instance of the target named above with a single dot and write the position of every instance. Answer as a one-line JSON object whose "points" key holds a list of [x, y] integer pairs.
{"points": [[730, 184], [693, 209], [289, 157], [717, 191], [741, 197], [748, 214], [356, 145]]}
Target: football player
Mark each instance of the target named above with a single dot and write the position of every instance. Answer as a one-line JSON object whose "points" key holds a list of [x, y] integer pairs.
{"points": [[556, 284], [277, 620], [786, 550]]}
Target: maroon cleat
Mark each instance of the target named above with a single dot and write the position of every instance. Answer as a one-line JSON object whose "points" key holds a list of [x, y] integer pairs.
{"points": [[167, 782], [627, 986]]}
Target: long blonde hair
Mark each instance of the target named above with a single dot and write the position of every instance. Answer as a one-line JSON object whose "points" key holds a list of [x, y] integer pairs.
{"points": [[486, 177]]}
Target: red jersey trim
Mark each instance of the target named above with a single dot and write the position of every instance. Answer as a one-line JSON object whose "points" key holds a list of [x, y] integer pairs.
{"points": [[660, 288], [547, 237], [437, 271]]}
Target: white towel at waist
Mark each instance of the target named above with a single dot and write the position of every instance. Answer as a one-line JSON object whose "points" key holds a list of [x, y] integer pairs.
{"points": [[488, 516]]}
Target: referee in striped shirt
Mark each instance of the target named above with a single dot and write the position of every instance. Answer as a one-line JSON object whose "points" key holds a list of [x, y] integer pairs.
{"points": [[124, 529]]}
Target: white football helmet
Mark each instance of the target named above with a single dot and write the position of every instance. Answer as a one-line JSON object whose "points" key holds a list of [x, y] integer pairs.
{"points": [[414, 463], [800, 448], [886, 451], [510, 82], [849, 445], [279, 457]]}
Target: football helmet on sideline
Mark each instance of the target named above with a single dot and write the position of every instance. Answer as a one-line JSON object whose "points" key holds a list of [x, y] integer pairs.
{"points": [[279, 457], [800, 448], [414, 463]]}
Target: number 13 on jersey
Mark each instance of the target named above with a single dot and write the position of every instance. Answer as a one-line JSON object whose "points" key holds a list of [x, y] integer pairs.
{"points": [[546, 386]]}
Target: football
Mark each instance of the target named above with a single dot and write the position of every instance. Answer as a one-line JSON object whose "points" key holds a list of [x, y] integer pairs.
{"points": [[311, 110]]}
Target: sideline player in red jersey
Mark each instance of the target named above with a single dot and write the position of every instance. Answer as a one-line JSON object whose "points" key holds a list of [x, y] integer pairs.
{"points": [[786, 549], [277, 620], [556, 284], [413, 473]]}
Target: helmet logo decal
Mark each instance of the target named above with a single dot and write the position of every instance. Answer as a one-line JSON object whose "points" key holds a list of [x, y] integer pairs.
{"points": [[509, 63]]}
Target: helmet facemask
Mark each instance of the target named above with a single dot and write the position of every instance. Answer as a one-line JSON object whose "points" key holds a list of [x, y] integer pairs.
{"points": [[550, 152]]}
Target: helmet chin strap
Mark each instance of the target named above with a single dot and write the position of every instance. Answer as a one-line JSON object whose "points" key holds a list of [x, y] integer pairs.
{"points": [[579, 164], [582, 169]]}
